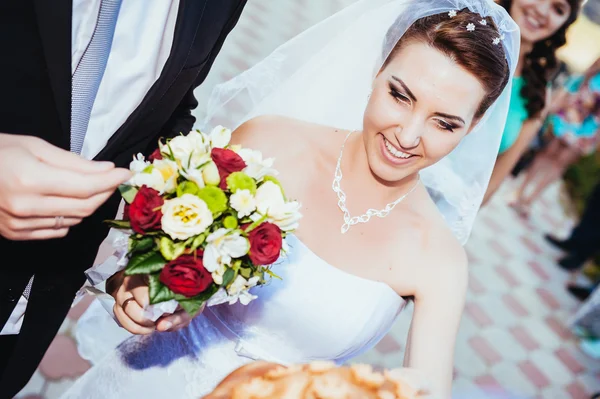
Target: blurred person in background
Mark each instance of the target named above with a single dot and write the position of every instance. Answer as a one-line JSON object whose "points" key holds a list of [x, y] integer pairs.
{"points": [[574, 129], [583, 242], [543, 25]]}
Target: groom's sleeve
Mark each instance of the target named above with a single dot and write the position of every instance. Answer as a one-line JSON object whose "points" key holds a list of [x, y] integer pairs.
{"points": [[182, 120]]}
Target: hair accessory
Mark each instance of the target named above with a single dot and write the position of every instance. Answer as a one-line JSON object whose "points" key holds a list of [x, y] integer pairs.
{"points": [[471, 27], [452, 13], [483, 22], [496, 41]]}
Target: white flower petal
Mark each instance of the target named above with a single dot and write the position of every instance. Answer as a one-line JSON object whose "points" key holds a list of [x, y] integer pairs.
{"points": [[220, 137], [237, 247], [210, 259]]}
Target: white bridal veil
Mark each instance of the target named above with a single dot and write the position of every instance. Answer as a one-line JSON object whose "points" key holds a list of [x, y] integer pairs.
{"points": [[324, 76]]}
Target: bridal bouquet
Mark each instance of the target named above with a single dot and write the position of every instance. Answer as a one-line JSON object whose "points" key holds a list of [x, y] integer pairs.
{"points": [[205, 220]]}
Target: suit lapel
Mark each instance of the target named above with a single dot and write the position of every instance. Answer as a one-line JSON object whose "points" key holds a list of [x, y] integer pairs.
{"points": [[54, 23], [183, 39]]}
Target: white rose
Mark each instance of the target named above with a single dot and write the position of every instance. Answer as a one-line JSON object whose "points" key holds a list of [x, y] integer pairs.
{"points": [[220, 137], [185, 217], [243, 202]]}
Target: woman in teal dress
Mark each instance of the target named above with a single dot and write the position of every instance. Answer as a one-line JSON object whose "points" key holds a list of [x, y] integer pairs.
{"points": [[543, 25], [574, 128]]}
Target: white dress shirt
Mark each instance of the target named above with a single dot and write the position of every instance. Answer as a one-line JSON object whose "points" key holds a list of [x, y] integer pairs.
{"points": [[141, 46]]}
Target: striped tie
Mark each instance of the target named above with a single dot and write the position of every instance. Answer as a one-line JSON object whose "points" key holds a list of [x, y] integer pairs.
{"points": [[89, 71]]}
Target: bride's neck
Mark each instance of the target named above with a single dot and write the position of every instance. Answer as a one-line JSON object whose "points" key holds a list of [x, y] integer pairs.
{"points": [[356, 170]]}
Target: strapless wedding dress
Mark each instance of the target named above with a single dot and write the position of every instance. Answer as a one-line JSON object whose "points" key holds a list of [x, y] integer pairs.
{"points": [[316, 312]]}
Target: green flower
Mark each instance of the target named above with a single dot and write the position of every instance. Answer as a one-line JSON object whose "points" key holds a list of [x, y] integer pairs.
{"points": [[215, 199], [230, 222], [241, 181], [187, 187]]}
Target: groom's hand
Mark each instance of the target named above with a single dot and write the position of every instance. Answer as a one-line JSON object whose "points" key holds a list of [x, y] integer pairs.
{"points": [[131, 297], [44, 190]]}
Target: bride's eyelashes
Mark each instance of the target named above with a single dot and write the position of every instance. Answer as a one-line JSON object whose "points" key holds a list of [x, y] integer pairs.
{"points": [[404, 99], [445, 125], [399, 97]]}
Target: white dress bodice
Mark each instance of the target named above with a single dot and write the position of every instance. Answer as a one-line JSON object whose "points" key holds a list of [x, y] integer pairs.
{"points": [[315, 312]]}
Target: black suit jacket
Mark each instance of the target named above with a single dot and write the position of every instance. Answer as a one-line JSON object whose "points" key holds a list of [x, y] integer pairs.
{"points": [[35, 99]]}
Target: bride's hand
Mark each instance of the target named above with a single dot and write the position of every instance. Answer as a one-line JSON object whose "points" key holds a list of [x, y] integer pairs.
{"points": [[131, 297]]}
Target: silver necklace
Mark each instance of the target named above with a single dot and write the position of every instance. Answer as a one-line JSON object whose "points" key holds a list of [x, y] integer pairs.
{"points": [[364, 218]]}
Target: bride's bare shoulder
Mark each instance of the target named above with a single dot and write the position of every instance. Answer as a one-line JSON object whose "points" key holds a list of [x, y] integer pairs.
{"points": [[274, 134]]}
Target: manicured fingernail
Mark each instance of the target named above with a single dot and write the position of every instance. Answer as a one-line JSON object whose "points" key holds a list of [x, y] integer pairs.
{"points": [[167, 325]]}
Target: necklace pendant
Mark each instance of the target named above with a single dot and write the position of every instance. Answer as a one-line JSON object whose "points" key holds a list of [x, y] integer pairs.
{"points": [[345, 228]]}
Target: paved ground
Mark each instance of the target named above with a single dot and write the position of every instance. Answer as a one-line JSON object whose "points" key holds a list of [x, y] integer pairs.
{"points": [[512, 338]]}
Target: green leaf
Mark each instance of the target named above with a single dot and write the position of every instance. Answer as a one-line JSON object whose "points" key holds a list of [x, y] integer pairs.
{"points": [[199, 240], [128, 192], [148, 169], [169, 249], [272, 274], [146, 263], [246, 272], [158, 291], [192, 306], [119, 224], [142, 245], [228, 277]]}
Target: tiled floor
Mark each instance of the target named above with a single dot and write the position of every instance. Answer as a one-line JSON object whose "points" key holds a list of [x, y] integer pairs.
{"points": [[512, 338]]}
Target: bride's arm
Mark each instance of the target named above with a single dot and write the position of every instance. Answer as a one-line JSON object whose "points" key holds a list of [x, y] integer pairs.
{"points": [[439, 304]]}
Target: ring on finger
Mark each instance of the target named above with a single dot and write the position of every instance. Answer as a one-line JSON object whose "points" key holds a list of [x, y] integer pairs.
{"points": [[126, 302], [58, 222]]}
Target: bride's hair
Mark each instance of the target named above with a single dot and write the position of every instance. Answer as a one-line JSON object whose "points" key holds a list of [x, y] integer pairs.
{"points": [[466, 39]]}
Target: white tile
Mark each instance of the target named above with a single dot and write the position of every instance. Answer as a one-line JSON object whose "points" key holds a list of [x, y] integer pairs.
{"points": [[552, 367], [467, 362], [464, 388], [555, 392], [512, 379], [495, 308], [505, 344], [540, 331], [487, 275], [591, 383], [531, 301]]}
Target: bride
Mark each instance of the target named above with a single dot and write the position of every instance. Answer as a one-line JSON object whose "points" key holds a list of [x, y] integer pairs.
{"points": [[397, 102]]}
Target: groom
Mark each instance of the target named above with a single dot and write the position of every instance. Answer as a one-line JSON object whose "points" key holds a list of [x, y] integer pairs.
{"points": [[84, 85]]}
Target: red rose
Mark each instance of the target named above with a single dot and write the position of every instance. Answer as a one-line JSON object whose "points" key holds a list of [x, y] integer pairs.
{"points": [[265, 244], [227, 162], [155, 155], [186, 275], [144, 211], [126, 211]]}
